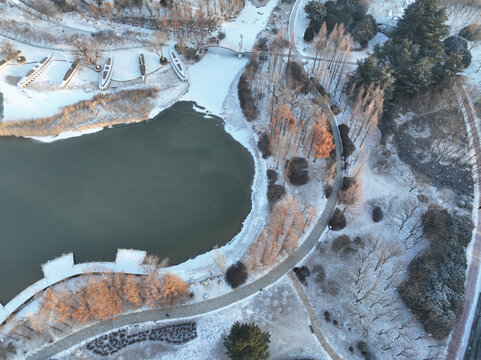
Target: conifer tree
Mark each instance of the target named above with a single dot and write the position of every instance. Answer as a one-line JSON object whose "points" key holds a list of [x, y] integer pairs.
{"points": [[423, 23], [368, 72], [247, 342]]}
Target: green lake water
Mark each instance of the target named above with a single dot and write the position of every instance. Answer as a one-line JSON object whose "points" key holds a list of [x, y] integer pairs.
{"points": [[175, 187]]}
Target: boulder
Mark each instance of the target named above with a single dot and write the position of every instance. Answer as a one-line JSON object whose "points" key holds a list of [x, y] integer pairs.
{"points": [[460, 203]]}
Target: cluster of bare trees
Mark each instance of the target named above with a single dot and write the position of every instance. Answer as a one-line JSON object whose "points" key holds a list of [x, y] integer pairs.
{"points": [[87, 50], [182, 18], [464, 12], [40, 8], [366, 110], [101, 297], [7, 49], [296, 117], [450, 144], [351, 195], [287, 221], [332, 51], [405, 217], [373, 276]]}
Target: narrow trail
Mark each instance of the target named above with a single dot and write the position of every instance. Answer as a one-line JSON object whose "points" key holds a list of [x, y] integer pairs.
{"points": [[456, 347], [312, 316]]}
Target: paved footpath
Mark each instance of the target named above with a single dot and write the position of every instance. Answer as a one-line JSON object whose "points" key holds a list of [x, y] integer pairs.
{"points": [[312, 316], [203, 307], [455, 345]]}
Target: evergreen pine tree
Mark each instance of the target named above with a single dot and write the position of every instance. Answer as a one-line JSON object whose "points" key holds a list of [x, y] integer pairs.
{"points": [[247, 342], [315, 10], [423, 23], [411, 71], [370, 71]]}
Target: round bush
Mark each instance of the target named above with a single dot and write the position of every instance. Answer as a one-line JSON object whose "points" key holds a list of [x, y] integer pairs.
{"points": [[377, 214], [348, 146], [454, 43], [297, 171], [302, 273], [362, 346], [264, 145], [236, 274], [341, 243], [308, 35], [338, 221], [271, 176], [328, 190], [274, 193], [320, 273], [335, 109], [471, 32]]}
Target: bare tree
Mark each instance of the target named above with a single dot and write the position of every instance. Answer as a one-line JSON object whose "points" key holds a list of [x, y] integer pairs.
{"points": [[86, 50]]}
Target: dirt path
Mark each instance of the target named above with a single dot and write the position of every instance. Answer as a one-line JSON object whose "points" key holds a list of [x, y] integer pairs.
{"points": [[456, 347]]}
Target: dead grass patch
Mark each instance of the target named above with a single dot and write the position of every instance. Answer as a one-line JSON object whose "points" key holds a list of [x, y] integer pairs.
{"points": [[123, 106]]}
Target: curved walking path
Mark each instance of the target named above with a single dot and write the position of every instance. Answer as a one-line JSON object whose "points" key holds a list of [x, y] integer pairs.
{"points": [[312, 316], [457, 345]]}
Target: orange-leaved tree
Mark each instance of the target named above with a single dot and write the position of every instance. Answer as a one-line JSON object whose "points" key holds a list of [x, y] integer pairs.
{"points": [[322, 142], [174, 288]]}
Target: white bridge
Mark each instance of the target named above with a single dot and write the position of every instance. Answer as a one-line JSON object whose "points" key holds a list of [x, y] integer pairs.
{"points": [[239, 48]]}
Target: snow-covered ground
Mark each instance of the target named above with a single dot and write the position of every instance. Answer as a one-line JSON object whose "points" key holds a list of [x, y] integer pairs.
{"points": [[211, 78], [43, 97], [277, 310]]}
